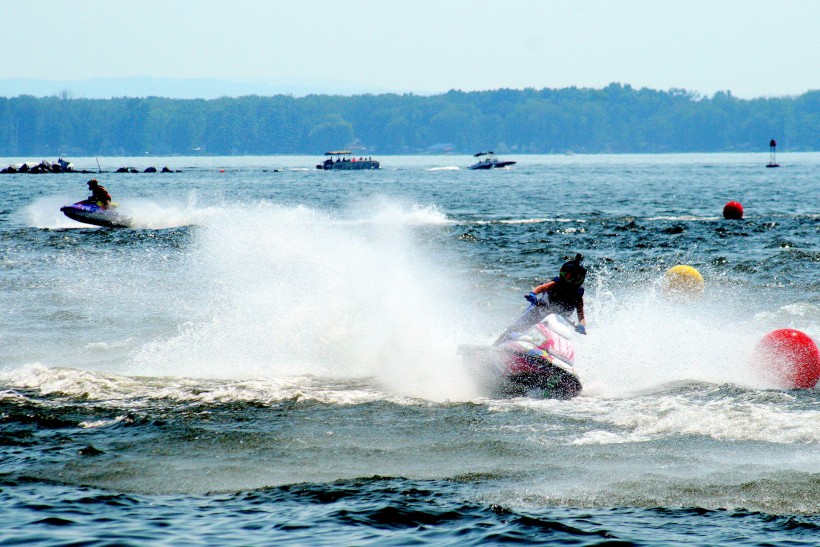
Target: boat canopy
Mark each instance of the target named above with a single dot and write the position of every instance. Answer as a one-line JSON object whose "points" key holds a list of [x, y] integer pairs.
{"points": [[490, 153], [337, 153]]}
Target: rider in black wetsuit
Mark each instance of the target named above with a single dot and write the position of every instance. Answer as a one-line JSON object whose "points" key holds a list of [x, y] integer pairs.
{"points": [[564, 295]]}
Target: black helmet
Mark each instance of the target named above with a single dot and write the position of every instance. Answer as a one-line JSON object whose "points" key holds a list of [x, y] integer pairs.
{"points": [[572, 272]]}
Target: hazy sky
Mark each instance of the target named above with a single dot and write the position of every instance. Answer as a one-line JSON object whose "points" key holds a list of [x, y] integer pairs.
{"points": [[751, 47]]}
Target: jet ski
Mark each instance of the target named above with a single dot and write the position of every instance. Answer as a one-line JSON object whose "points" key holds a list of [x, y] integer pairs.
{"points": [[90, 212], [528, 359]]}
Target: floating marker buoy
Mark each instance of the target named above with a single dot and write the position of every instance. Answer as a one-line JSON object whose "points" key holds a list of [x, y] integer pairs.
{"points": [[733, 211], [790, 358], [772, 147], [682, 279], [221, 170]]}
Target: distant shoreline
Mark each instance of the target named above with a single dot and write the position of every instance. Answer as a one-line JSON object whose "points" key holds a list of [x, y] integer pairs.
{"points": [[617, 119]]}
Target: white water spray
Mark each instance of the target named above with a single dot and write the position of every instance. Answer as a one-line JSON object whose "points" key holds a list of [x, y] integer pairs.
{"points": [[642, 340], [294, 291], [144, 213]]}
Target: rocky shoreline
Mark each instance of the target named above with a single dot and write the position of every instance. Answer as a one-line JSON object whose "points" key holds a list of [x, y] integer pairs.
{"points": [[62, 166]]}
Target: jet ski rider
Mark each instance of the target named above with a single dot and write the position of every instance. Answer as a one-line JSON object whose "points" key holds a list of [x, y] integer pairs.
{"points": [[564, 294], [99, 194]]}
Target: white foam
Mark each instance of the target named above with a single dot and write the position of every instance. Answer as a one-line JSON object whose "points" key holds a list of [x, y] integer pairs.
{"points": [[94, 424], [687, 218], [384, 211], [743, 415], [133, 392]]}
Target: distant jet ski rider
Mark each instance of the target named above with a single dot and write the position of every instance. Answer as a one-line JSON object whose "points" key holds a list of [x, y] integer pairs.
{"points": [[99, 194]]}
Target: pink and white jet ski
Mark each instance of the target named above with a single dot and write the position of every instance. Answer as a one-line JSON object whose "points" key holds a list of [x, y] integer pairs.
{"points": [[538, 361]]}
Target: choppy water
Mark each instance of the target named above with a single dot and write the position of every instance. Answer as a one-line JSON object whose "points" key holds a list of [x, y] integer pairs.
{"points": [[272, 356]]}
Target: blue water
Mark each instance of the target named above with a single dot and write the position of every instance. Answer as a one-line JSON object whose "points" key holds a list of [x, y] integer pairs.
{"points": [[271, 354]]}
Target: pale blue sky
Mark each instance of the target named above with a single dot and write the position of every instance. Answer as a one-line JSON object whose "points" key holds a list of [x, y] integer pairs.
{"points": [[751, 47]]}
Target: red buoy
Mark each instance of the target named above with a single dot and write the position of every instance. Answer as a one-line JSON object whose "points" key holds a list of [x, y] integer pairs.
{"points": [[790, 358], [733, 211]]}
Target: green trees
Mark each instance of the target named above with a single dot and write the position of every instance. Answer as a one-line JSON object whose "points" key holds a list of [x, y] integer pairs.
{"points": [[617, 118], [328, 133]]}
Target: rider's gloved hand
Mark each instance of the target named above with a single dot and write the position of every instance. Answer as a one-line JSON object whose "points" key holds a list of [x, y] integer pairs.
{"points": [[580, 328], [532, 298]]}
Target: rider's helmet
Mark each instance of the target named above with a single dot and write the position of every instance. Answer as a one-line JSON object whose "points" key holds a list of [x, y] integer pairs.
{"points": [[92, 183], [572, 272]]}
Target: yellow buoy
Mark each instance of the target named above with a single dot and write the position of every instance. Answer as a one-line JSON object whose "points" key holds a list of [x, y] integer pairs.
{"points": [[682, 279]]}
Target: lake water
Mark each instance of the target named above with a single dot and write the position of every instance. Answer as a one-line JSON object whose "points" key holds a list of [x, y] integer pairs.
{"points": [[270, 355]]}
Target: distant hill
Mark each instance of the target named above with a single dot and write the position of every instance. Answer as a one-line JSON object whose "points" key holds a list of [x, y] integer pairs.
{"points": [[178, 88]]}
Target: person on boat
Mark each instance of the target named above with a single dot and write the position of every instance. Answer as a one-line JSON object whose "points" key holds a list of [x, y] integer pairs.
{"points": [[565, 293], [99, 194]]}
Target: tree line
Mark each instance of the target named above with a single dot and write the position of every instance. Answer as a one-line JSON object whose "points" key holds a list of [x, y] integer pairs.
{"points": [[615, 119]]}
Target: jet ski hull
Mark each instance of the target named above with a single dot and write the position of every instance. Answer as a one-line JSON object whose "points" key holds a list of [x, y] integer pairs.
{"points": [[506, 373], [539, 361], [91, 213]]}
